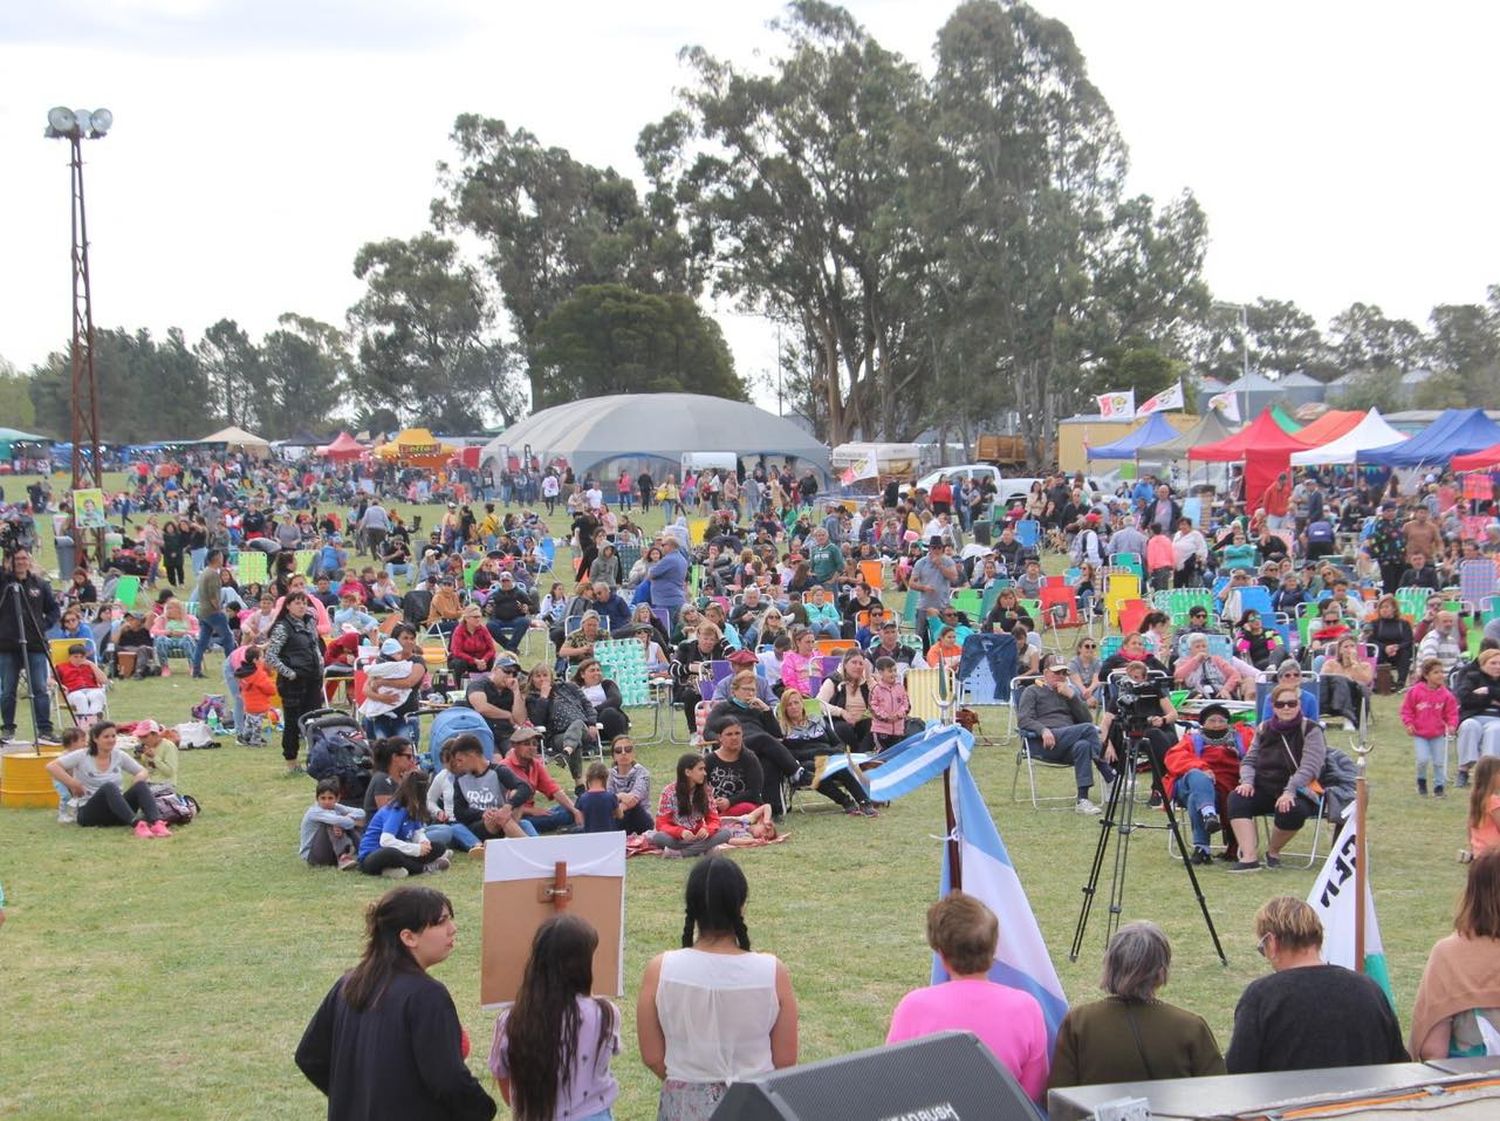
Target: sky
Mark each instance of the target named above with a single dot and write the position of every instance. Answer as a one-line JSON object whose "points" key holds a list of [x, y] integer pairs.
{"points": [[1341, 150]]}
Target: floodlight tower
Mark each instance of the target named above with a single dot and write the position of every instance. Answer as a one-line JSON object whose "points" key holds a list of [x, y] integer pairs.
{"points": [[76, 126]]}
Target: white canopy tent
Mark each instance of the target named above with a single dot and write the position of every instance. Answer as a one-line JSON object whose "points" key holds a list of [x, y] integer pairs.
{"points": [[1372, 432]]}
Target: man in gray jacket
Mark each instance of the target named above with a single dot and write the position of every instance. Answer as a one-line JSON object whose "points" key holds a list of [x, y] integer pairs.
{"points": [[1056, 727]]}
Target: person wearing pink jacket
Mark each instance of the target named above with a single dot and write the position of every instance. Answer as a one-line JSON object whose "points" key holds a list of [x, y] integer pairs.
{"points": [[1430, 713], [889, 704]]}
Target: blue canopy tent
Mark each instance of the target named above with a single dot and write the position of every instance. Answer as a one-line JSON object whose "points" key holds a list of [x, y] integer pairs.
{"points": [[1454, 432], [1156, 430]]}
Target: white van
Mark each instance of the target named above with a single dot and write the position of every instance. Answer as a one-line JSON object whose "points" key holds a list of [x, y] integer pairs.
{"points": [[693, 462]]}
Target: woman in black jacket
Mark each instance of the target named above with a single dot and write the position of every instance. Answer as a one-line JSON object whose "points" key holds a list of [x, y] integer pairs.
{"points": [[690, 661], [295, 652], [386, 1043], [1392, 638], [173, 546], [1478, 693]]}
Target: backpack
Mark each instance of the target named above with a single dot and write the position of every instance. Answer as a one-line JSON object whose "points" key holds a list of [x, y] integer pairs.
{"points": [[174, 808], [337, 750]]}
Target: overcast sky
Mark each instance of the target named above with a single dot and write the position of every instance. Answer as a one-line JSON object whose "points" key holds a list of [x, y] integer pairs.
{"points": [[1343, 151]]}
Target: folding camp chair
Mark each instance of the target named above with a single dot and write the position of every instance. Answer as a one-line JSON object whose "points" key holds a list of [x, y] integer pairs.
{"points": [[57, 654], [624, 662], [127, 590], [932, 690], [1025, 761], [873, 574], [1059, 607], [1029, 535]]}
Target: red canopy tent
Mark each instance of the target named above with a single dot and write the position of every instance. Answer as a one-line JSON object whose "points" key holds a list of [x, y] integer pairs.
{"points": [[1263, 447], [1486, 459], [344, 449]]}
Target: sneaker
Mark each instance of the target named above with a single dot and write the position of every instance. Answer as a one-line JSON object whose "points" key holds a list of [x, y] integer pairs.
{"points": [[1211, 822], [1245, 866], [1273, 861], [1087, 808], [166, 671], [853, 810], [67, 811], [347, 862], [869, 810], [1422, 787], [477, 852], [441, 864], [802, 778], [1154, 802], [1202, 856], [1438, 791], [1463, 778], [200, 676], [48, 739], [159, 829], [142, 829], [393, 873]]}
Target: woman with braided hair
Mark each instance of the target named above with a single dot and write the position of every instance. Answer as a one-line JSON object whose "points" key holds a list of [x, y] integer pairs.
{"points": [[712, 1012]]}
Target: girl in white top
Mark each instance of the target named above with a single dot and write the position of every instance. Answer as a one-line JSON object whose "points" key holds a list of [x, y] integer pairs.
{"points": [[712, 1012], [95, 776]]}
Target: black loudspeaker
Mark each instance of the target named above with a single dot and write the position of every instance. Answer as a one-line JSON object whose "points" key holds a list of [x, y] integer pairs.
{"points": [[946, 1077]]}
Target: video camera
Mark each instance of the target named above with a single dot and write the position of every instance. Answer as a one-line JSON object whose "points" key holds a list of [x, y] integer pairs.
{"points": [[1139, 698]]}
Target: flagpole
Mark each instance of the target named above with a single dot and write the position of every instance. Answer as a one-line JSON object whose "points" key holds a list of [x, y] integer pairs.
{"points": [[946, 705], [1361, 880]]}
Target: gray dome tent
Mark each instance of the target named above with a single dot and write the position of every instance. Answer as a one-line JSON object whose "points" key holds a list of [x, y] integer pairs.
{"points": [[597, 431]]}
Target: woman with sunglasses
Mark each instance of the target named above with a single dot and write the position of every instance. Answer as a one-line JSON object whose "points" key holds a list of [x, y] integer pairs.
{"points": [[1083, 668], [1284, 760]]}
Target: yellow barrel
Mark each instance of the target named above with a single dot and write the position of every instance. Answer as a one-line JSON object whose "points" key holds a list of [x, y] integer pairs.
{"points": [[24, 781]]}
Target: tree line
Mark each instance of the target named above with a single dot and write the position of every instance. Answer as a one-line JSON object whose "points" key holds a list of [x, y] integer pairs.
{"points": [[938, 248]]}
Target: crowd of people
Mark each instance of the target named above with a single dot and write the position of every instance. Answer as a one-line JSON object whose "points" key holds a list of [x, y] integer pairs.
{"points": [[386, 1041], [765, 618]]}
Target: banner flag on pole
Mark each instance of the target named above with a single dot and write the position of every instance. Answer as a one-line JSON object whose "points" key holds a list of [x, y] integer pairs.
{"points": [[1117, 406], [1332, 897], [1170, 398], [1021, 958], [918, 759], [1228, 404]]}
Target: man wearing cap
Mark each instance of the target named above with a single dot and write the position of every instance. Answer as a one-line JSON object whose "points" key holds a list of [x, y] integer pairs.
{"points": [[889, 645], [1057, 727], [509, 609], [493, 697], [932, 578], [523, 761], [1201, 769], [744, 660]]}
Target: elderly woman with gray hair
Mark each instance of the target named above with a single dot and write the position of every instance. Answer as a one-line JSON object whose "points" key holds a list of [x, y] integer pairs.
{"points": [[1130, 1035]]}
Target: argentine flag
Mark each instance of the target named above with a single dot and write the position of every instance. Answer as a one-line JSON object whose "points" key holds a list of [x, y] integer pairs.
{"points": [[918, 759], [1332, 897], [1021, 959]]}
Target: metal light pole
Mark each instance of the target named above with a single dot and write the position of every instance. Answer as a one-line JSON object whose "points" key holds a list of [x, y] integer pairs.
{"points": [[1244, 347], [75, 126]]}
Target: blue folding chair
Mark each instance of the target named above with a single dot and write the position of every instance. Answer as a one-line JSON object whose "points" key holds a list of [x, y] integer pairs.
{"points": [[1029, 534]]}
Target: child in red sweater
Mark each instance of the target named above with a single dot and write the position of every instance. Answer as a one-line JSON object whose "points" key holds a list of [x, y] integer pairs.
{"points": [[83, 684], [1430, 713], [256, 691]]}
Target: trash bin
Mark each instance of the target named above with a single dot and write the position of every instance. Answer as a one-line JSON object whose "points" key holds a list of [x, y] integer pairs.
{"points": [[67, 556]]}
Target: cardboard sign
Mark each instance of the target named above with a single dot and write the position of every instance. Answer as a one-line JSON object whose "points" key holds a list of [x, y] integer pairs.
{"points": [[527, 880]]}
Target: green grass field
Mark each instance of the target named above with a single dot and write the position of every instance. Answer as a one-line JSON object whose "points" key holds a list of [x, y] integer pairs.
{"points": [[172, 979]]}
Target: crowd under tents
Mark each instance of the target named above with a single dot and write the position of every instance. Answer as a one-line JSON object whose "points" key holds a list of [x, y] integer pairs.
{"points": [[1455, 432]]}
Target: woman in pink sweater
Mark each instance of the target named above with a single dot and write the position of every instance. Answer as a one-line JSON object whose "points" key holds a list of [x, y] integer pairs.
{"points": [[1430, 713], [800, 661]]}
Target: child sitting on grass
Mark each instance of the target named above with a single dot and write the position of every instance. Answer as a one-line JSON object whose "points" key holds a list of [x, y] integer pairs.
{"points": [[599, 805], [395, 843], [330, 830], [257, 690]]}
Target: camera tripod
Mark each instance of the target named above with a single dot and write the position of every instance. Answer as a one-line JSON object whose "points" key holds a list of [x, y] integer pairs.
{"points": [[1122, 802]]}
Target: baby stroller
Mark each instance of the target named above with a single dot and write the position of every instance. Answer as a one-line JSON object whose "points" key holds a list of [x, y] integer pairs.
{"points": [[337, 749]]}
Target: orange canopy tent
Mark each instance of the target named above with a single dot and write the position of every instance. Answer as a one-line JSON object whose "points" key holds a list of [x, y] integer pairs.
{"points": [[1329, 427]]}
